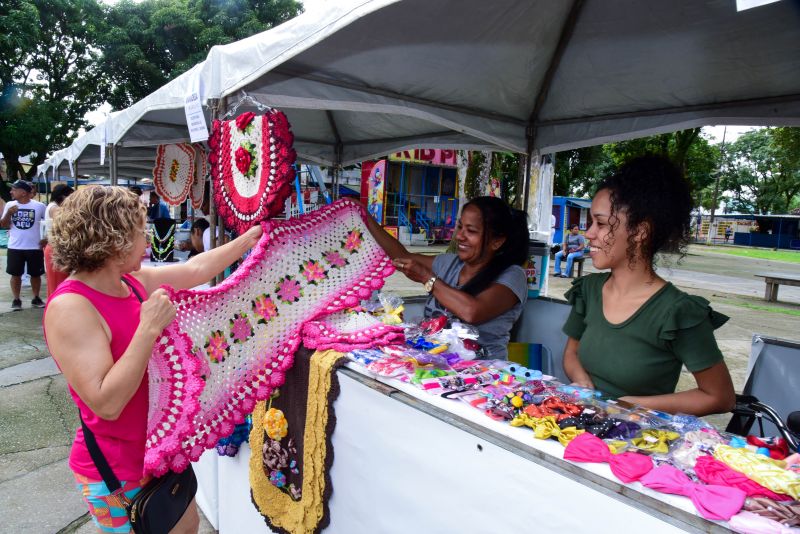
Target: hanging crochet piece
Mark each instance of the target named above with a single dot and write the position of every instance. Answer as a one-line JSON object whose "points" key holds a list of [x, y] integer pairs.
{"points": [[198, 188], [290, 478], [252, 167], [174, 171], [244, 332]]}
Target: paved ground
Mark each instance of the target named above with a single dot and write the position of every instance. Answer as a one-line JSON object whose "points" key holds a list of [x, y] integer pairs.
{"points": [[37, 418]]}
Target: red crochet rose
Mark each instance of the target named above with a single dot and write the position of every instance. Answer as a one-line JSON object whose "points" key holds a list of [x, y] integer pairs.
{"points": [[244, 119], [243, 159]]}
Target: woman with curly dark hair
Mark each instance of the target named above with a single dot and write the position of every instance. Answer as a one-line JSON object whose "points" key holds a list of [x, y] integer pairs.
{"points": [[630, 332]]}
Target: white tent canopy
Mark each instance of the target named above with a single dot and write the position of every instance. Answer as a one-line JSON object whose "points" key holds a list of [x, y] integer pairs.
{"points": [[363, 78]]}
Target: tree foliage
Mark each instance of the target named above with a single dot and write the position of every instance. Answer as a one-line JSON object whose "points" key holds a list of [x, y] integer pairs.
{"points": [[49, 74], [579, 171], [762, 171], [151, 42]]}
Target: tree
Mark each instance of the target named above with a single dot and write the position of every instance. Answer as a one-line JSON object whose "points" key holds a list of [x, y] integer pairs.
{"points": [[49, 75], [151, 42], [762, 170]]}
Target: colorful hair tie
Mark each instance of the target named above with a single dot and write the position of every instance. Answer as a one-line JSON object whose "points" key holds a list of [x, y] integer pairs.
{"points": [[626, 466], [712, 471], [712, 502]]}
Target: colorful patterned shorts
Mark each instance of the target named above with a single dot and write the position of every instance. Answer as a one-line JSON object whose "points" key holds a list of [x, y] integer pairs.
{"points": [[108, 511]]}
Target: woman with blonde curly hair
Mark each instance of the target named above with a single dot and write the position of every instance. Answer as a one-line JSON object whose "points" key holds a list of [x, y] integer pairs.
{"points": [[101, 325]]}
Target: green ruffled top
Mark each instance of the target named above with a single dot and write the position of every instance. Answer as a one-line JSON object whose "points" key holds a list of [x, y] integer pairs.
{"points": [[644, 354]]}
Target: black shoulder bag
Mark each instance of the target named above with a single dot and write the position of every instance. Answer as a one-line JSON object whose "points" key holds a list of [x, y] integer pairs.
{"points": [[161, 503]]}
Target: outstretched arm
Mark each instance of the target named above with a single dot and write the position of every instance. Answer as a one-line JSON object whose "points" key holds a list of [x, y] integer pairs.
{"points": [[395, 248]]}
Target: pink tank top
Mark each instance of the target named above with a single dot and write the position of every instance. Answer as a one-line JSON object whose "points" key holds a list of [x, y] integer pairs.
{"points": [[122, 441]]}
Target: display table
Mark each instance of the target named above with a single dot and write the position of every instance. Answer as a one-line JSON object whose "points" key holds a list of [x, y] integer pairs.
{"points": [[405, 461]]}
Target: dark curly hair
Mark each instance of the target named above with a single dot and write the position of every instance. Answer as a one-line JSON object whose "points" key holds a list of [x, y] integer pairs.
{"points": [[499, 220], [655, 196]]}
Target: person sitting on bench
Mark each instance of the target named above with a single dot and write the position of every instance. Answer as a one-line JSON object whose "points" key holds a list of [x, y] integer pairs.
{"points": [[572, 249]]}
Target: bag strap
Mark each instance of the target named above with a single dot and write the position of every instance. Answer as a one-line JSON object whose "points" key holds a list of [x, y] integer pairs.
{"points": [[99, 459], [133, 289]]}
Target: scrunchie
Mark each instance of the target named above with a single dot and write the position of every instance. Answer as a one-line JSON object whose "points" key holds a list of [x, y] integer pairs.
{"points": [[712, 502], [712, 471], [652, 440], [627, 466], [767, 472]]}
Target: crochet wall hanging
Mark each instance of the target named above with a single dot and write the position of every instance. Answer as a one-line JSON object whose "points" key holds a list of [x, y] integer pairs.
{"points": [[162, 244], [174, 172], [252, 167], [198, 189], [240, 336], [291, 446]]}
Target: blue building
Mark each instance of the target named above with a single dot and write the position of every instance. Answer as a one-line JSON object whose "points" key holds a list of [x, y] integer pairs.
{"points": [[569, 211]]}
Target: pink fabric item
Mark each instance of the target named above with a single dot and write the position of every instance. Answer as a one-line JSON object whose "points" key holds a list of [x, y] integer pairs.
{"points": [[346, 331], [241, 335], [122, 441], [712, 471], [627, 466], [712, 501], [750, 523]]}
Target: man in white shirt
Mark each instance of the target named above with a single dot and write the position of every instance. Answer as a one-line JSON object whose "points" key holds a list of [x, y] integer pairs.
{"points": [[23, 216]]}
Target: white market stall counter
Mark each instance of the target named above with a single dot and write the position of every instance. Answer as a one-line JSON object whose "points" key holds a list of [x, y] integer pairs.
{"points": [[406, 461]]}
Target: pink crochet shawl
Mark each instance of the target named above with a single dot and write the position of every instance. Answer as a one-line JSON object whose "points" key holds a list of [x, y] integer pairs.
{"points": [[230, 345]]}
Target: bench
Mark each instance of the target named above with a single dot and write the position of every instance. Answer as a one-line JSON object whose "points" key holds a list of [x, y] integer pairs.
{"points": [[773, 280]]}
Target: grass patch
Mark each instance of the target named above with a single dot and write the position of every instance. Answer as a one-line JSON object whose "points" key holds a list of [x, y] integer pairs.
{"points": [[770, 309], [759, 253]]}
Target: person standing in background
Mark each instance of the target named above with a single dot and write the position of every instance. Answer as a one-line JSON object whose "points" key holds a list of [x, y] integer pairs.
{"points": [[53, 275], [23, 216]]}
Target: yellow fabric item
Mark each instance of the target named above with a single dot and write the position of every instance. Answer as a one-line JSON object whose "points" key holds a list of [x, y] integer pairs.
{"points": [[301, 516], [652, 440], [546, 428], [617, 446], [766, 471]]}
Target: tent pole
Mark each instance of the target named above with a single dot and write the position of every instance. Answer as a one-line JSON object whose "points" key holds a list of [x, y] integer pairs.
{"points": [[215, 105], [114, 164]]}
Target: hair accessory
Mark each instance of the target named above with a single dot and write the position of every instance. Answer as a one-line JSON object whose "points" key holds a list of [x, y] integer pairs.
{"points": [[752, 523], [787, 513], [712, 501], [252, 166], [623, 429], [626, 466], [546, 428], [767, 472], [174, 172], [712, 471], [258, 305], [652, 440]]}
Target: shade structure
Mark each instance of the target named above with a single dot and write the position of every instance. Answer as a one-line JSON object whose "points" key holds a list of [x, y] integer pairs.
{"points": [[364, 78]]}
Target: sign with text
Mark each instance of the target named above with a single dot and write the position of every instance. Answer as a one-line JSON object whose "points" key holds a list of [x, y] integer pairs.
{"points": [[427, 156]]}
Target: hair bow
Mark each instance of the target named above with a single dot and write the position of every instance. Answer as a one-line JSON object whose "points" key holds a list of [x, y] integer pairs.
{"points": [[767, 472], [626, 466], [623, 429], [712, 501], [546, 428], [652, 440]]}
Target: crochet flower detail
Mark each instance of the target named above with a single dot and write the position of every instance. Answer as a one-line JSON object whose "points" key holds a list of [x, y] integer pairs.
{"points": [[243, 121], [216, 347], [276, 424], [289, 290], [264, 308], [313, 271], [277, 479], [335, 259], [353, 241], [241, 329], [173, 170], [245, 158]]}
